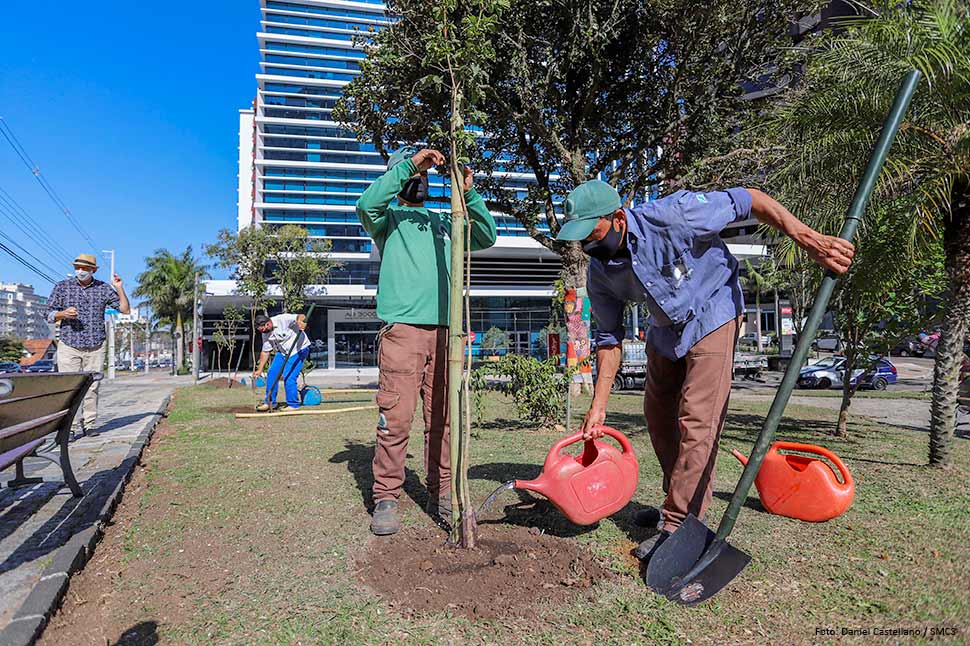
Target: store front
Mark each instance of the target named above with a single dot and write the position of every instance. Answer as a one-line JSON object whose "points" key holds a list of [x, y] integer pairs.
{"points": [[352, 338]]}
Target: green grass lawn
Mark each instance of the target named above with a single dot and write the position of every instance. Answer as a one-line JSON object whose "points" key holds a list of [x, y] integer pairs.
{"points": [[245, 532]]}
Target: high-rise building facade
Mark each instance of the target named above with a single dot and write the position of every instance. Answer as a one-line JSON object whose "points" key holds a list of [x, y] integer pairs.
{"points": [[298, 166], [23, 312]]}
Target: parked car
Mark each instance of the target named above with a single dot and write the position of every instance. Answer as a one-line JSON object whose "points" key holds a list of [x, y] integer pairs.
{"points": [[908, 348], [10, 366], [830, 372], [43, 365], [827, 343]]}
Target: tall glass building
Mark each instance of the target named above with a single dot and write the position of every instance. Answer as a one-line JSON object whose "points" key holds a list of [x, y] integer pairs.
{"points": [[297, 166]]}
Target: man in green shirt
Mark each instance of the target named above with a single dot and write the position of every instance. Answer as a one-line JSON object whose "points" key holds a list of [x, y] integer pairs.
{"points": [[412, 301]]}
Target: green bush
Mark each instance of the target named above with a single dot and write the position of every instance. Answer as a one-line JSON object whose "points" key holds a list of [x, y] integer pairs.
{"points": [[537, 387]]}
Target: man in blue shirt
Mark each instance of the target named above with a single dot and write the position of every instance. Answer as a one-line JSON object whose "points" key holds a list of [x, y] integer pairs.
{"points": [[669, 255]]}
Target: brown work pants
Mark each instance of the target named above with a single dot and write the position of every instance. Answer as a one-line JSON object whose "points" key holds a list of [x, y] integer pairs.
{"points": [[685, 403], [413, 360]]}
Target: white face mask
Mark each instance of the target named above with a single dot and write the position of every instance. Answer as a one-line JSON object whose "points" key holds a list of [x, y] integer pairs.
{"points": [[83, 275]]}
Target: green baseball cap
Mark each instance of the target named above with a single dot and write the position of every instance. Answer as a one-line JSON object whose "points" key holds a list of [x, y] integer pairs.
{"points": [[400, 155], [585, 205]]}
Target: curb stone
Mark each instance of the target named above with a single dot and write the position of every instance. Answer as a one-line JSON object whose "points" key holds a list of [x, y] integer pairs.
{"points": [[29, 621]]}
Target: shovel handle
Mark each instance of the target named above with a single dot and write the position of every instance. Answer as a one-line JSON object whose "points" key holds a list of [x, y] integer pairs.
{"points": [[818, 450], [856, 210]]}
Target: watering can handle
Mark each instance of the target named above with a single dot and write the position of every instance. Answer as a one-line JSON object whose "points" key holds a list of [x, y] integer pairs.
{"points": [[577, 437], [818, 450]]}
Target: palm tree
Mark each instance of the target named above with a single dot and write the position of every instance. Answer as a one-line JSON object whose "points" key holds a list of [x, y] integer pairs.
{"points": [[757, 282], [168, 285], [826, 125]]}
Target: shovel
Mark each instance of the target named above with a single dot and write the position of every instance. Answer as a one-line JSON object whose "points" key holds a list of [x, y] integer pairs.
{"points": [[289, 352], [694, 563]]}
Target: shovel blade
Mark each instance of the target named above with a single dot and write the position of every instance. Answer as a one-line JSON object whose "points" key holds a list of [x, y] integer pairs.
{"points": [[694, 567]]}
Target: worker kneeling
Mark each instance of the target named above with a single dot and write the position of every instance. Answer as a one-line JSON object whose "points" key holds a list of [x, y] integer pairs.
{"points": [[279, 334], [668, 254], [412, 302]]}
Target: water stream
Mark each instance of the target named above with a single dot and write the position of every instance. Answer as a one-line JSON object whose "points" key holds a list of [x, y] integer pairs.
{"points": [[505, 486]]}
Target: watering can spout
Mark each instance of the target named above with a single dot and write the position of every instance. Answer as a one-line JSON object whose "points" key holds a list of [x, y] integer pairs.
{"points": [[740, 456], [537, 486]]}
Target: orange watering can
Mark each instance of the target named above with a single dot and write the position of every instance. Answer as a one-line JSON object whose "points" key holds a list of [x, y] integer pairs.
{"points": [[592, 485], [801, 487]]}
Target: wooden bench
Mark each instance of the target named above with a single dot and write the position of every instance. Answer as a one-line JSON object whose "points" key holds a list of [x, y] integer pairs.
{"points": [[34, 406]]}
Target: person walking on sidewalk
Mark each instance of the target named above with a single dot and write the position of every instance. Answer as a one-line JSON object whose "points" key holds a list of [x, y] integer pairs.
{"points": [[669, 255], [78, 305], [279, 332], [412, 302]]}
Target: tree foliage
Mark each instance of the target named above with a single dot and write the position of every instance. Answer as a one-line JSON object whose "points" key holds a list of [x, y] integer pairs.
{"points": [[12, 349], [168, 286], [299, 262]]}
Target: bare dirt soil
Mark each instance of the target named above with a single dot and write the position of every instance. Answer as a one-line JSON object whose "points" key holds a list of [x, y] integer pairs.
{"points": [[509, 571]]}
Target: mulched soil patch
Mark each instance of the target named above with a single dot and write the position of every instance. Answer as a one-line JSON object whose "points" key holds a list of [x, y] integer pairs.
{"points": [[509, 571], [223, 382]]}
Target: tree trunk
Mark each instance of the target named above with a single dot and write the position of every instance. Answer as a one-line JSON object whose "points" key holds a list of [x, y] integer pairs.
{"points": [[949, 351], [757, 325], [574, 271], [179, 347], [841, 428], [463, 516]]}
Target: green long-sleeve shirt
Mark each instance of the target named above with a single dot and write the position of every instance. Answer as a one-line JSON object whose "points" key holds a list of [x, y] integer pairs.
{"points": [[415, 246]]}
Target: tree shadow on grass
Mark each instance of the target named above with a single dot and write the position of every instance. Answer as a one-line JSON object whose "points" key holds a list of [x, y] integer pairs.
{"points": [[144, 633], [359, 458]]}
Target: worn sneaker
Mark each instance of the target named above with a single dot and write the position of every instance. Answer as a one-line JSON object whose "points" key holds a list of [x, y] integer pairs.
{"points": [[385, 521], [262, 408], [646, 549]]}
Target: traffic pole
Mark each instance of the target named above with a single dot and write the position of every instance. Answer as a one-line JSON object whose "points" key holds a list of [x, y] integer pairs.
{"points": [[195, 329]]}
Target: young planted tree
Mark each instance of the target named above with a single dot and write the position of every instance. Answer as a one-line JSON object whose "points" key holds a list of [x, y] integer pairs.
{"points": [[882, 297], [299, 261], [222, 343], [495, 339], [835, 112], [245, 254], [422, 83], [232, 320]]}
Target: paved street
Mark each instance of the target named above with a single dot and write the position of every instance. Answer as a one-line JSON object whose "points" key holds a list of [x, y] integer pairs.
{"points": [[36, 520]]}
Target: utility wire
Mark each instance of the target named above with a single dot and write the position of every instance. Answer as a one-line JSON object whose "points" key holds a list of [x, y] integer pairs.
{"points": [[24, 221], [26, 264], [25, 157], [36, 259]]}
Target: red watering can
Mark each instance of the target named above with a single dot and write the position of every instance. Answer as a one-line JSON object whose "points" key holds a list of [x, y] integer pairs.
{"points": [[800, 487], [592, 485]]}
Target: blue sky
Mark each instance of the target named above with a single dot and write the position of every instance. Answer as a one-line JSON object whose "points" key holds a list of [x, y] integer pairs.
{"points": [[130, 109]]}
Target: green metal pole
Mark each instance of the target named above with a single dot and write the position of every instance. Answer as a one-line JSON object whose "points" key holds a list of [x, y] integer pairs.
{"points": [[876, 160]]}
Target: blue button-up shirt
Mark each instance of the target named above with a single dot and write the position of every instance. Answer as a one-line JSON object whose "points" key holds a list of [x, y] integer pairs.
{"points": [[678, 266], [85, 332]]}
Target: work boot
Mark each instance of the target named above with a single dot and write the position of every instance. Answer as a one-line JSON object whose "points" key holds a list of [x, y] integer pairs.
{"points": [[647, 548], [648, 517], [385, 521]]}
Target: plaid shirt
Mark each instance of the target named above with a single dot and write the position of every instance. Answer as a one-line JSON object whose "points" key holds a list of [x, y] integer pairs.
{"points": [[87, 331]]}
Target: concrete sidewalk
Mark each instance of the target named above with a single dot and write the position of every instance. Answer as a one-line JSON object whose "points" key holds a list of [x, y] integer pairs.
{"points": [[45, 533]]}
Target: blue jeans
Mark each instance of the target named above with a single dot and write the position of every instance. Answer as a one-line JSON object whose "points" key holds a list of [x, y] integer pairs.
{"points": [[291, 372]]}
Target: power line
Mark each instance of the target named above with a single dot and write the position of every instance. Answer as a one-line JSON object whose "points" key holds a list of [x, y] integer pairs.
{"points": [[19, 246], [26, 264], [25, 157], [24, 221]]}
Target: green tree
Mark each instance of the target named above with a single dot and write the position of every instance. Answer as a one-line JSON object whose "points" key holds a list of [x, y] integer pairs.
{"points": [[756, 282], [495, 340], [244, 254], [816, 131], [168, 285], [882, 297], [12, 349], [299, 262]]}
